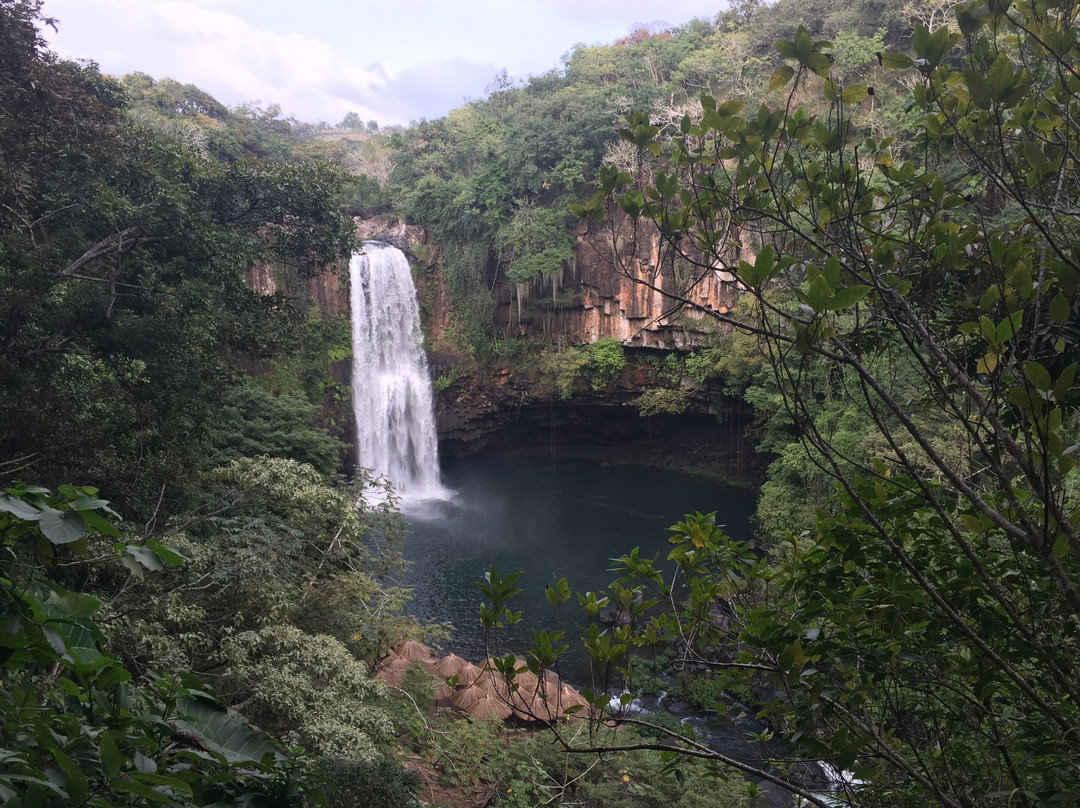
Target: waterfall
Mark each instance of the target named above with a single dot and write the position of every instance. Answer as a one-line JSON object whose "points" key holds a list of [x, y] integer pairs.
{"points": [[392, 399]]}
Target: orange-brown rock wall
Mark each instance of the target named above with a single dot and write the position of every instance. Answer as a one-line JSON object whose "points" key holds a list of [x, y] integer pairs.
{"points": [[620, 292], [606, 292], [620, 286]]}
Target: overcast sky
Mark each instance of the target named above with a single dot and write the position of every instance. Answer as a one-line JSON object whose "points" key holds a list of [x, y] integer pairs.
{"points": [[394, 61]]}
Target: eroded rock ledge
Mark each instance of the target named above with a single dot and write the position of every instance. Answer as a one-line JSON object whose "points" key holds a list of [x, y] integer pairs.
{"points": [[505, 412]]}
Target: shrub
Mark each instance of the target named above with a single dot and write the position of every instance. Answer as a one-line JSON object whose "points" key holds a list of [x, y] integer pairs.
{"points": [[605, 360]]}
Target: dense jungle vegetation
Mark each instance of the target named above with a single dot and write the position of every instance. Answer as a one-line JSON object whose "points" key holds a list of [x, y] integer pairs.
{"points": [[893, 185]]}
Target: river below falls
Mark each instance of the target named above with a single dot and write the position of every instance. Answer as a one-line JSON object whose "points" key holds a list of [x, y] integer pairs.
{"points": [[549, 518]]}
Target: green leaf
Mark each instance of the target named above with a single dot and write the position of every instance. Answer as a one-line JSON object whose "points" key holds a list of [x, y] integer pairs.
{"points": [[148, 558], [1000, 77], [854, 94], [44, 551], [140, 790], [748, 274], [819, 63], [95, 521], [764, 264], [896, 61], [167, 780], [785, 47], [968, 22], [780, 77], [87, 503], [980, 92], [72, 605], [167, 554], [1065, 381], [988, 364], [848, 297], [1060, 309], [18, 508], [1038, 375], [220, 731], [1009, 327], [819, 294], [133, 566], [1024, 399], [62, 527], [78, 788], [144, 764], [111, 758]]}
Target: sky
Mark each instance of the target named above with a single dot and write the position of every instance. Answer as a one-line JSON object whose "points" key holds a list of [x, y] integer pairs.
{"points": [[392, 61]]}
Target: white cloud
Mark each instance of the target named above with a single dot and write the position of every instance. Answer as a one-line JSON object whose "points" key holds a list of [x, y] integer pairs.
{"points": [[321, 59], [233, 59]]}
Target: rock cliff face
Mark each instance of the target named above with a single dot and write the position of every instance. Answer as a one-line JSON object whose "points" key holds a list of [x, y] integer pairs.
{"points": [[605, 293], [624, 293], [508, 411], [329, 289]]}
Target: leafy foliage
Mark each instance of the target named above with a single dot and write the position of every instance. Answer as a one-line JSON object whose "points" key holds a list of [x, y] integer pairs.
{"points": [[123, 253], [605, 362], [253, 422], [76, 726], [916, 303], [131, 216]]}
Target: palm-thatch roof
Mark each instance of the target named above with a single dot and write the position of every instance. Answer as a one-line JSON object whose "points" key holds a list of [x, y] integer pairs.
{"points": [[451, 665], [571, 698], [444, 693], [392, 669], [482, 703], [480, 690], [468, 675], [414, 651], [537, 700]]}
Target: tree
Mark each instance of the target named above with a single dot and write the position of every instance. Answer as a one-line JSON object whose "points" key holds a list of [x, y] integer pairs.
{"points": [[351, 121], [77, 727], [124, 310], [924, 631]]}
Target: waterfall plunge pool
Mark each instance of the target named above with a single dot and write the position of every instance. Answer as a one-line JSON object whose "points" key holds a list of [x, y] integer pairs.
{"points": [[550, 518]]}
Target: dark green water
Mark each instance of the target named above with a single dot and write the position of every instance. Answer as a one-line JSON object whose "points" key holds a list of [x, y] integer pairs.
{"points": [[549, 518]]}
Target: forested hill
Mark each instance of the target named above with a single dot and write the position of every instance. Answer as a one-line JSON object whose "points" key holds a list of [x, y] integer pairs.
{"points": [[492, 180], [193, 600], [173, 190]]}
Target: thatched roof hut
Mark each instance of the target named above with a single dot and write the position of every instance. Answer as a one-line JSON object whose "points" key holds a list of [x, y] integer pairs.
{"points": [[392, 670], [482, 703], [414, 651], [480, 690], [451, 665]]}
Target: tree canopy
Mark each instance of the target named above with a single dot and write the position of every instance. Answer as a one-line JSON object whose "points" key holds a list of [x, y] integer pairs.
{"points": [[131, 213], [123, 252], [917, 303]]}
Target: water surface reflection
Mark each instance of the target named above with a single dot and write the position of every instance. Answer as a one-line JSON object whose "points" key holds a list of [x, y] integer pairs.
{"points": [[550, 519]]}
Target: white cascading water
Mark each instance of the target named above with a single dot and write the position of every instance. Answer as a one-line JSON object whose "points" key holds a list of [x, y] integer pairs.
{"points": [[392, 399]]}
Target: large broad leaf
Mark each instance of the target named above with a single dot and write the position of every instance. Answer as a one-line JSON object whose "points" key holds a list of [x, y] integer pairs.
{"points": [[168, 555], [63, 603], [145, 556], [18, 508], [847, 297], [780, 77], [62, 527], [69, 621], [221, 731], [896, 61]]}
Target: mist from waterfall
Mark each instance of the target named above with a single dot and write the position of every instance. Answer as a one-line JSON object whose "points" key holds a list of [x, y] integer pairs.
{"points": [[391, 387]]}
